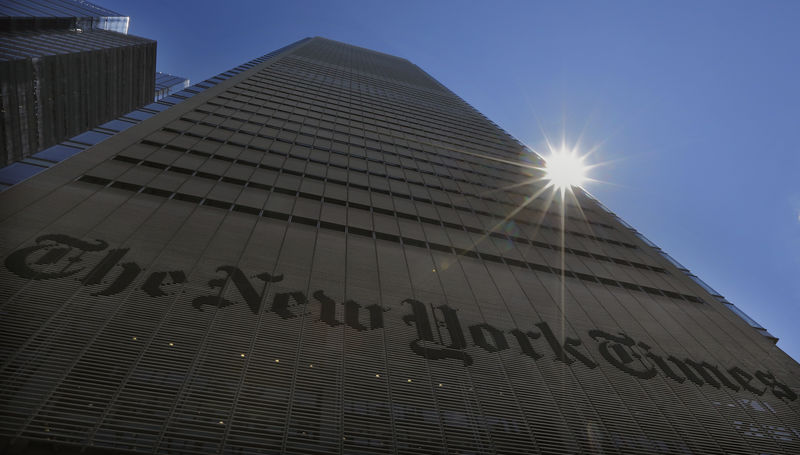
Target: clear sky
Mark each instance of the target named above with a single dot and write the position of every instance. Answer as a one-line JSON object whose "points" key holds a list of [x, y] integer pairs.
{"points": [[695, 105]]}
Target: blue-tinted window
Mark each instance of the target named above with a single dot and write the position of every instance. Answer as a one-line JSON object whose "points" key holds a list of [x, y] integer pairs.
{"points": [[18, 172], [57, 153]]}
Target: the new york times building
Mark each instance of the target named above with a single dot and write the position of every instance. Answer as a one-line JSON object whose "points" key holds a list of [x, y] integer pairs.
{"points": [[330, 252]]}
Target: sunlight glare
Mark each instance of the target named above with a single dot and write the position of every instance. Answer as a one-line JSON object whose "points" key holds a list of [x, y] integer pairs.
{"points": [[565, 169]]}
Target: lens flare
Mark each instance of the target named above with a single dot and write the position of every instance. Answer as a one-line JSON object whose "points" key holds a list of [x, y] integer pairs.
{"points": [[565, 169]]}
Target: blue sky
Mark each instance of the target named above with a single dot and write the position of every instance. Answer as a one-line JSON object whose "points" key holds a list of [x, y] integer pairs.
{"points": [[695, 105]]}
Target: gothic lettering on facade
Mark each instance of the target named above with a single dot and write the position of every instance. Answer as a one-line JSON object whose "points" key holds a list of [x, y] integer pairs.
{"points": [[436, 348], [566, 351], [241, 282], [778, 389], [745, 380], [352, 313], [620, 351], [154, 285], [440, 334], [49, 259], [524, 341]]}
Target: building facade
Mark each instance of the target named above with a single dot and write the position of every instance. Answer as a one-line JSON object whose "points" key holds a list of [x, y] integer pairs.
{"points": [[66, 67], [330, 252]]}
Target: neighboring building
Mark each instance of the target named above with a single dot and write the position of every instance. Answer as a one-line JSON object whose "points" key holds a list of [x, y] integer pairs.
{"points": [[324, 254], [52, 156], [17, 15], [61, 75], [167, 84]]}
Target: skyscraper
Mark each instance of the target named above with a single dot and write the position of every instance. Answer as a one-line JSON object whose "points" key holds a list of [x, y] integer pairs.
{"points": [[66, 66], [331, 252]]}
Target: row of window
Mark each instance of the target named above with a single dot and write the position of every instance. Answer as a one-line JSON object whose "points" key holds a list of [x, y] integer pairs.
{"points": [[418, 87], [424, 106], [34, 44], [334, 146], [318, 193], [458, 118], [344, 130], [366, 62], [389, 237], [421, 182], [309, 99], [307, 167]]}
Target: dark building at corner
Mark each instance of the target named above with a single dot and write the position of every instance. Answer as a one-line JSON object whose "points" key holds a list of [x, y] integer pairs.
{"points": [[66, 67], [330, 252]]}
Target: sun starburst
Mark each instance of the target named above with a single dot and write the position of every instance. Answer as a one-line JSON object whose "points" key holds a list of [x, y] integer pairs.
{"points": [[565, 169]]}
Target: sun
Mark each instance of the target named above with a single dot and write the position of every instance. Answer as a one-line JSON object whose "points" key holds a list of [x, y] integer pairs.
{"points": [[565, 169]]}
